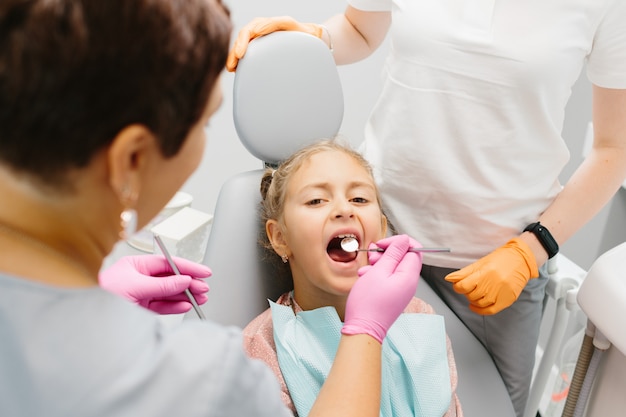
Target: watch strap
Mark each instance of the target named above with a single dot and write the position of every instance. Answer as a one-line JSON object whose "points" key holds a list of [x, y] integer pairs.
{"points": [[544, 237]]}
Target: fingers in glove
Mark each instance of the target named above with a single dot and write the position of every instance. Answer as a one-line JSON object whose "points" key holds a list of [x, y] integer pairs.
{"points": [[163, 287], [487, 311], [363, 270], [374, 256], [393, 254], [157, 265], [200, 298], [466, 280], [170, 307], [481, 301], [467, 284], [408, 270], [477, 294], [386, 242], [459, 275], [198, 286], [410, 264], [193, 269]]}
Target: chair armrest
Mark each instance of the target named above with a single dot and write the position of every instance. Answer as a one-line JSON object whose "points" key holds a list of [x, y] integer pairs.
{"points": [[564, 275]]}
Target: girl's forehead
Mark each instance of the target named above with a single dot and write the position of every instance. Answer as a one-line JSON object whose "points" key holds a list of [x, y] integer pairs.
{"points": [[332, 161], [329, 167]]}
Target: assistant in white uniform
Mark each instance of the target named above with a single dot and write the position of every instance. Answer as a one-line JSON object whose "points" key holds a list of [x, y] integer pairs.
{"points": [[466, 137]]}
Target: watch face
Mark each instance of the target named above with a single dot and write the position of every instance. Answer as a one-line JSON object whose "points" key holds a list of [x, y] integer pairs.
{"points": [[545, 238], [531, 227]]}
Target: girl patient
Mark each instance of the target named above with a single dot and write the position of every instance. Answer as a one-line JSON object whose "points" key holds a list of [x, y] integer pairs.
{"points": [[320, 195]]}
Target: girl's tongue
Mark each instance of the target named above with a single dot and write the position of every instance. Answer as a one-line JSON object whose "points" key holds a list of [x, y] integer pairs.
{"points": [[337, 254]]}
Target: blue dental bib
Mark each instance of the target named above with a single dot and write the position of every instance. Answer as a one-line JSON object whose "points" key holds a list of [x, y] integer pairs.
{"points": [[415, 370]]}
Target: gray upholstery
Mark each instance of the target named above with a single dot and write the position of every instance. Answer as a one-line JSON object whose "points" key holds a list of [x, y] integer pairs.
{"points": [[287, 93]]}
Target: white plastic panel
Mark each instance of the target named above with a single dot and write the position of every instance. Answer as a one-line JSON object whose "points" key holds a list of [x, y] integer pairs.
{"points": [[602, 295]]}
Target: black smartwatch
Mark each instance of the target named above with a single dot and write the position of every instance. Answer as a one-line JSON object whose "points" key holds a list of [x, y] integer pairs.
{"points": [[544, 237]]}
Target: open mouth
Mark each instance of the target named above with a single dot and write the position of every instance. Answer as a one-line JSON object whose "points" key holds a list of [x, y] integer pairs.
{"points": [[335, 251]]}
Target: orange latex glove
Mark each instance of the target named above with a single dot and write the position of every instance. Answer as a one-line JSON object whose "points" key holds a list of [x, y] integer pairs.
{"points": [[263, 26], [494, 282]]}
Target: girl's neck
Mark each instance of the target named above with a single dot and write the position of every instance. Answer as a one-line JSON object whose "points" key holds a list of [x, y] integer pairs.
{"points": [[308, 301]]}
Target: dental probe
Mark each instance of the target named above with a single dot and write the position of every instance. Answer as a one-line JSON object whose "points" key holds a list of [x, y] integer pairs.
{"points": [[410, 250], [350, 244], [195, 305]]}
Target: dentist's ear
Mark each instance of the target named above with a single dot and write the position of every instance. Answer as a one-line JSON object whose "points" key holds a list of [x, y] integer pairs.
{"points": [[274, 232], [127, 159]]}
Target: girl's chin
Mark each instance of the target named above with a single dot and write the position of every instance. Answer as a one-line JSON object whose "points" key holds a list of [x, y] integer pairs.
{"points": [[349, 274], [343, 286]]}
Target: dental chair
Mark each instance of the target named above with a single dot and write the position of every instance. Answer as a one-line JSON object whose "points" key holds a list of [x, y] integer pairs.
{"points": [[601, 366], [287, 93]]}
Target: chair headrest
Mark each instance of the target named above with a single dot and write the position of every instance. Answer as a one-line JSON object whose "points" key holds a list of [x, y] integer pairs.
{"points": [[287, 94]]}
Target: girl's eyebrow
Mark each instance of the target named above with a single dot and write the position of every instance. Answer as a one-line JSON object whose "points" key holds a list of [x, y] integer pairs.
{"points": [[327, 184]]}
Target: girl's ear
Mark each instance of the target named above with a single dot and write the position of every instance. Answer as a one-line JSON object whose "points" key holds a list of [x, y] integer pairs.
{"points": [[383, 224], [274, 232]]}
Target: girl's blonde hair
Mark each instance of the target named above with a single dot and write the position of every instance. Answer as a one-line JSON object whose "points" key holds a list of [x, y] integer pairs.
{"points": [[274, 182]]}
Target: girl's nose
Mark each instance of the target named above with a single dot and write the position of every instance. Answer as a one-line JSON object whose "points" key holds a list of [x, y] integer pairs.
{"points": [[343, 209]]}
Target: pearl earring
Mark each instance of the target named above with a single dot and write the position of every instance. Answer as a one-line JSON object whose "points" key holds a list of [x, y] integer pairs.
{"points": [[128, 217], [285, 258], [128, 221]]}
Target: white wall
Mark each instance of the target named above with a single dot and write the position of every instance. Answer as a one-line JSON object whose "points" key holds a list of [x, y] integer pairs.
{"points": [[225, 156]]}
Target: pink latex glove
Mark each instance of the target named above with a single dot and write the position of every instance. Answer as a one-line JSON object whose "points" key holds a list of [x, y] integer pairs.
{"points": [[149, 281], [373, 257], [494, 282], [383, 290]]}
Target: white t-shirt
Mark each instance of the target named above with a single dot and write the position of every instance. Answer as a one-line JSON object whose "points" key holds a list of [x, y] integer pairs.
{"points": [[89, 353], [465, 139]]}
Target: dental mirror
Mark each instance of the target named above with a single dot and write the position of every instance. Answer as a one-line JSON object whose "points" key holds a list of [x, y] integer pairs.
{"points": [[350, 244]]}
